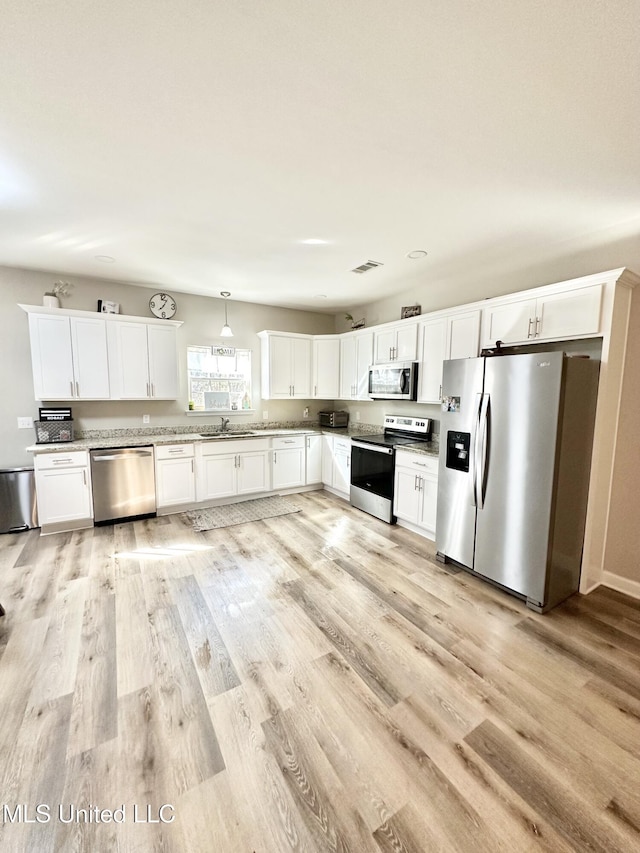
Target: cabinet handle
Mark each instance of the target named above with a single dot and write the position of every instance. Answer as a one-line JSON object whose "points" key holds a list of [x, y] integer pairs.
{"points": [[415, 482], [315, 390], [153, 390], [420, 484], [71, 386], [275, 457], [176, 450], [529, 335], [421, 464], [348, 462], [537, 331], [62, 461], [84, 476], [148, 392], [192, 471], [289, 441], [77, 388]]}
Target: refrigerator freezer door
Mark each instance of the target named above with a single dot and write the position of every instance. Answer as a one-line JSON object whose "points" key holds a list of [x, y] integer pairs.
{"points": [[522, 401], [456, 516]]}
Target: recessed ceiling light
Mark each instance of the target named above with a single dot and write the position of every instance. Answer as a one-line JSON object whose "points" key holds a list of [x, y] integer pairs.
{"points": [[105, 259], [314, 242], [417, 253], [320, 296]]}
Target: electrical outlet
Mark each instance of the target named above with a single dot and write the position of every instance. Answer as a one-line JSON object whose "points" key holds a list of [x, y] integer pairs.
{"points": [[146, 419], [25, 423], [357, 416], [265, 416], [305, 413]]}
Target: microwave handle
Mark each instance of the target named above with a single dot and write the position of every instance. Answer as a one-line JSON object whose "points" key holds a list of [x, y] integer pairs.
{"points": [[404, 381]]}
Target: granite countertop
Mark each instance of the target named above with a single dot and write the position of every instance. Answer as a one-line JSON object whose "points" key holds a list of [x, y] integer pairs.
{"points": [[125, 438]]}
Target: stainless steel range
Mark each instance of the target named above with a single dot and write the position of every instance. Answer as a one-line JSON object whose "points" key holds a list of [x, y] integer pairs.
{"points": [[373, 463]]}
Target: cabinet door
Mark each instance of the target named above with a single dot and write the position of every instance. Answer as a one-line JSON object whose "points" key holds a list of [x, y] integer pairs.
{"points": [[327, 460], [433, 352], [348, 368], [342, 472], [570, 314], [51, 357], [63, 495], [300, 363], [326, 368], [288, 468], [314, 459], [280, 382], [253, 472], [128, 360], [385, 343], [217, 476], [406, 342], [363, 363], [163, 362], [90, 360], [510, 323], [463, 335], [428, 502], [406, 503], [175, 481]]}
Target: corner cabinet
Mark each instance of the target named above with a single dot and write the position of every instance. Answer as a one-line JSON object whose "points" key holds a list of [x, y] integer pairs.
{"points": [[356, 356], [81, 355], [285, 366]]}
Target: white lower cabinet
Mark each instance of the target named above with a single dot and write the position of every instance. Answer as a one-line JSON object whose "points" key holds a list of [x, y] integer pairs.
{"points": [[336, 463], [229, 468], [175, 474], [416, 490], [289, 458], [313, 473], [63, 486]]}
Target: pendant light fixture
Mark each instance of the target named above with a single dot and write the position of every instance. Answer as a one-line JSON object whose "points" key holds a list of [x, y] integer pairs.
{"points": [[226, 329]]}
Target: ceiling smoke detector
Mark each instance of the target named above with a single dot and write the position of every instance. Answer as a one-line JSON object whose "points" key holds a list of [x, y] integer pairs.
{"points": [[370, 265]]}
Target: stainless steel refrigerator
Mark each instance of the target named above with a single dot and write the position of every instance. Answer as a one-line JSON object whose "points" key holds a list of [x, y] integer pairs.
{"points": [[516, 438]]}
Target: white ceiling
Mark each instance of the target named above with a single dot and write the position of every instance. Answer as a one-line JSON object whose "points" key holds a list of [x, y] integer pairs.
{"points": [[199, 142]]}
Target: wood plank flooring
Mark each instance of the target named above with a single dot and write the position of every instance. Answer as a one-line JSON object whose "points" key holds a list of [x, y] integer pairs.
{"points": [[313, 682]]}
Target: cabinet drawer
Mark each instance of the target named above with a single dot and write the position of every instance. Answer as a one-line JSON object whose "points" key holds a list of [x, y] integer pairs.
{"points": [[225, 446], [290, 442], [341, 444], [43, 461], [172, 451], [417, 462]]}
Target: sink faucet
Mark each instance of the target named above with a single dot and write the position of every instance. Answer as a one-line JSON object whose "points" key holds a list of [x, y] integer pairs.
{"points": [[225, 424]]}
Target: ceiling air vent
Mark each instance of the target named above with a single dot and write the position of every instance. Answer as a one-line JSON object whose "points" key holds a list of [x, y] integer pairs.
{"points": [[370, 265]]}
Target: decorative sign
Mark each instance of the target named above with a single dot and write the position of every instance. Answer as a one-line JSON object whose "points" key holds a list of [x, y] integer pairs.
{"points": [[225, 351], [410, 311]]}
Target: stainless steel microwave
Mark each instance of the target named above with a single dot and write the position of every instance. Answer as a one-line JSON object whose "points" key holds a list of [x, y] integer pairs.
{"points": [[395, 381]]}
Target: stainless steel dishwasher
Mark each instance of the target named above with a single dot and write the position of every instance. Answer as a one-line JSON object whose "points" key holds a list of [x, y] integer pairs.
{"points": [[123, 482]]}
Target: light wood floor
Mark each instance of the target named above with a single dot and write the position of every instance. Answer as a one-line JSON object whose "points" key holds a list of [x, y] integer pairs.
{"points": [[312, 682]]}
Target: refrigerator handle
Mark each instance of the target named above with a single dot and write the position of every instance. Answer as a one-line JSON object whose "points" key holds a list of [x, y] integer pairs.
{"points": [[481, 460], [474, 444]]}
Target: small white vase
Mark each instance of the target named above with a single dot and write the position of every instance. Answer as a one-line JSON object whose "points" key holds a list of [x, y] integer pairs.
{"points": [[50, 301]]}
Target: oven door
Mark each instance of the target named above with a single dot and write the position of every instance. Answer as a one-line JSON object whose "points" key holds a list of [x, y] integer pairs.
{"points": [[372, 468]]}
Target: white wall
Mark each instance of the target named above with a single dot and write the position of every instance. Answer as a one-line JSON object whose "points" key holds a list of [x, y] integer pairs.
{"points": [[203, 318]]}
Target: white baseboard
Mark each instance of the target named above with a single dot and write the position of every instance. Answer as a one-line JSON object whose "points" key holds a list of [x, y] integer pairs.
{"points": [[421, 531], [621, 584]]}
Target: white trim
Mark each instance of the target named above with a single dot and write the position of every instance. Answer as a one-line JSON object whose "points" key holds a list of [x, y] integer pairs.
{"points": [[110, 318], [421, 531], [625, 585]]}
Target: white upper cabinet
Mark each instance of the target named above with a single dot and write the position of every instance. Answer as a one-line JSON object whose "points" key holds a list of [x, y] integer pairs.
{"points": [[450, 336], [143, 361], [78, 355], [570, 313], [356, 356], [326, 367], [396, 343], [69, 357], [286, 365]]}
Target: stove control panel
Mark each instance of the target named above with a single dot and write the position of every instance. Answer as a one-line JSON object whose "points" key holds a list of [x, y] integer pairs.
{"points": [[420, 426]]}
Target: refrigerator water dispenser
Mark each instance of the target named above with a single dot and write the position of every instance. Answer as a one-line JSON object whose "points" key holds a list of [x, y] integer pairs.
{"points": [[458, 444]]}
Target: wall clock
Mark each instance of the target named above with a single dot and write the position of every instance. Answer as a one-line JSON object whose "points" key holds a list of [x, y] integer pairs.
{"points": [[162, 305]]}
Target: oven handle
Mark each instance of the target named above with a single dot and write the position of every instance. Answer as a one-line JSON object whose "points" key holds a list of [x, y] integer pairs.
{"points": [[372, 447]]}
